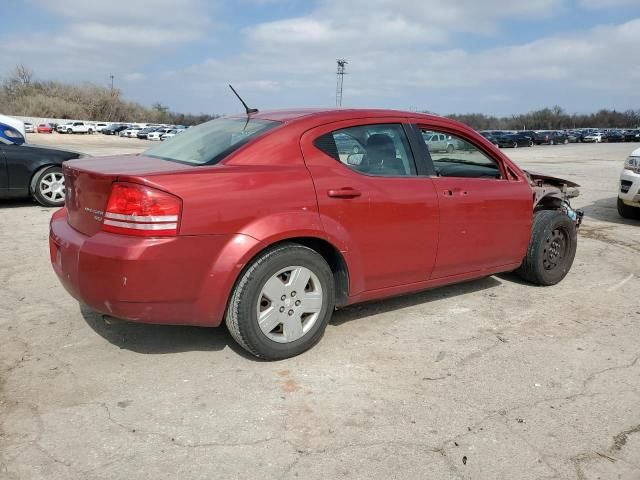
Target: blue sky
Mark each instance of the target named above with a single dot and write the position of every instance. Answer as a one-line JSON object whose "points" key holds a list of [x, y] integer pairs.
{"points": [[450, 56]]}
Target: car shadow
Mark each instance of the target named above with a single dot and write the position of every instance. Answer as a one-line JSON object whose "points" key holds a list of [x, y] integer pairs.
{"points": [[160, 339], [363, 310], [606, 210], [21, 202], [166, 339]]}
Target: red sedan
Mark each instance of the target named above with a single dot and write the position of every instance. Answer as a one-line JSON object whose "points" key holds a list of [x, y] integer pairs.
{"points": [[44, 128], [272, 220]]}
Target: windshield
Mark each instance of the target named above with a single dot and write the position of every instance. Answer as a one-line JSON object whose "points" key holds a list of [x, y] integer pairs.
{"points": [[210, 142]]}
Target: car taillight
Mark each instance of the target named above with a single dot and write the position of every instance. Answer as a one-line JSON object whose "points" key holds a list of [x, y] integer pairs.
{"points": [[633, 164], [143, 211]]}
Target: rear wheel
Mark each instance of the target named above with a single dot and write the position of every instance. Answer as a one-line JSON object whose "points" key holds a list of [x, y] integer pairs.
{"points": [[627, 211], [48, 187], [552, 248], [282, 302], [450, 148]]}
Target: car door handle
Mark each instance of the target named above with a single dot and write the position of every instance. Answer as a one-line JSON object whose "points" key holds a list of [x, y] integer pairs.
{"points": [[345, 192], [455, 191]]}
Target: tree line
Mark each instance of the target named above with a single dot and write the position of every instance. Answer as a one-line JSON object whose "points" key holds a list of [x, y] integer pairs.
{"points": [[554, 118], [21, 94]]}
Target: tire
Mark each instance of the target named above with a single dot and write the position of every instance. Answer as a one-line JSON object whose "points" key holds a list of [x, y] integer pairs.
{"points": [[551, 142], [552, 248], [69, 131], [450, 148], [627, 211], [566, 141], [48, 187], [515, 144], [251, 298], [531, 144]]}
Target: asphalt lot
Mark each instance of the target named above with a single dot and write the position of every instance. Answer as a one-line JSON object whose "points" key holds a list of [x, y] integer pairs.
{"points": [[492, 379]]}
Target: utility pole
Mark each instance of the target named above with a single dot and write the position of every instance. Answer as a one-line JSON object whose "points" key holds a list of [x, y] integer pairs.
{"points": [[342, 62], [111, 77]]}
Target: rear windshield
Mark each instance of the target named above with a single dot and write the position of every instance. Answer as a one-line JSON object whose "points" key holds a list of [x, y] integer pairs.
{"points": [[210, 142]]}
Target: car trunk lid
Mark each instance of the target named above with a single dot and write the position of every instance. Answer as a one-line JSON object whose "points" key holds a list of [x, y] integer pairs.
{"points": [[88, 184]]}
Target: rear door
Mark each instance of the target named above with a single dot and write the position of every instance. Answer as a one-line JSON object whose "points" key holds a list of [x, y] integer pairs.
{"points": [[372, 203], [485, 211]]}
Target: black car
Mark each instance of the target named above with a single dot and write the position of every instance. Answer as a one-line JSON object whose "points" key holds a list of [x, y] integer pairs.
{"points": [[29, 170], [613, 136], [632, 136], [550, 137], [114, 129], [513, 140]]}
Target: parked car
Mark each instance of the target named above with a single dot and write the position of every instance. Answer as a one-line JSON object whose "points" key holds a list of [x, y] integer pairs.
{"points": [[100, 126], [44, 128], [171, 133], [629, 193], [513, 140], [260, 222], [550, 137], [594, 137], [131, 132], [157, 134], [28, 127], [613, 136], [30, 170], [142, 134], [632, 136], [114, 129], [438, 142], [76, 127]]}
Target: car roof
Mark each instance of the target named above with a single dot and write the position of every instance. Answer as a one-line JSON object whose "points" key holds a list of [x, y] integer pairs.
{"points": [[331, 114]]}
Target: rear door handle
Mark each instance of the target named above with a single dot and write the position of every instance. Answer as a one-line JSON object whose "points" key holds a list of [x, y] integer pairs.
{"points": [[345, 192]]}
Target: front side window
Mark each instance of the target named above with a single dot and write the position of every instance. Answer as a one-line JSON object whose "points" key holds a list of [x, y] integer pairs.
{"points": [[378, 150], [210, 142], [453, 156]]}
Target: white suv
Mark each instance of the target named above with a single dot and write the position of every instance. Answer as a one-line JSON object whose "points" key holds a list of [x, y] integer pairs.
{"points": [[629, 194]]}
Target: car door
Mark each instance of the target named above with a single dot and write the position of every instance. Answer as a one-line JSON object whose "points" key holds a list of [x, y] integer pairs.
{"points": [[485, 210], [380, 212]]}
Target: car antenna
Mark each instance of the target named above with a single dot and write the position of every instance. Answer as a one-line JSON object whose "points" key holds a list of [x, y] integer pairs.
{"points": [[246, 107]]}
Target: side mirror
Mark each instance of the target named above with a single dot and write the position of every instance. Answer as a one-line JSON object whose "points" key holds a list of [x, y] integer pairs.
{"points": [[355, 159]]}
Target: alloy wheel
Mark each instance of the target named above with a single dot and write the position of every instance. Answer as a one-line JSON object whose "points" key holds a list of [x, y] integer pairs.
{"points": [[51, 186], [289, 304]]}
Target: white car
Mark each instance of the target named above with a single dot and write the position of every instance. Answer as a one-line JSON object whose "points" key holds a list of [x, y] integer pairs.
{"points": [[100, 126], [28, 127], [130, 132], [171, 133], [76, 127], [595, 137], [157, 135], [629, 193]]}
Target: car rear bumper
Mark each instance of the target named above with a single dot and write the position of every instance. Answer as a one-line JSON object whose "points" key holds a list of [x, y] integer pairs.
{"points": [[175, 280], [629, 188]]}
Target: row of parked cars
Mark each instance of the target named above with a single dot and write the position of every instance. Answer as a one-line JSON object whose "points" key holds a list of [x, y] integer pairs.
{"points": [[529, 138], [142, 131]]}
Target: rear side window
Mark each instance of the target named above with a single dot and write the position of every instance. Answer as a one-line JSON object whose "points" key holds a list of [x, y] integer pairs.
{"points": [[210, 142], [379, 150]]}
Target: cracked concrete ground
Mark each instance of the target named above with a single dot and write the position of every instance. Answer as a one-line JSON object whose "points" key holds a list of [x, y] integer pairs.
{"points": [[492, 379]]}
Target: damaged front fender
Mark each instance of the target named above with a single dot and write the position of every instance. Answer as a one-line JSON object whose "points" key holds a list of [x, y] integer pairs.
{"points": [[554, 193]]}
